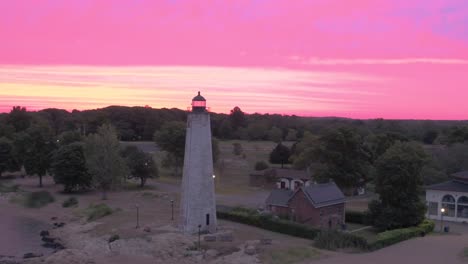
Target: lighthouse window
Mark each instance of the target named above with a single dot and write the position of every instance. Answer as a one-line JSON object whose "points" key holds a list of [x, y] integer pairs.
{"points": [[207, 219]]}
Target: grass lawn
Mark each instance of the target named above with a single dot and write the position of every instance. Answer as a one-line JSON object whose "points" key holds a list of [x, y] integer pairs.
{"points": [[464, 254], [290, 255]]}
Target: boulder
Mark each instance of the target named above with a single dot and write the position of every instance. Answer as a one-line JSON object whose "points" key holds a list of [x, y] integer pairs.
{"points": [[147, 229], [265, 241], [44, 233], [209, 238], [32, 255], [69, 256], [250, 250], [227, 237], [211, 253]]}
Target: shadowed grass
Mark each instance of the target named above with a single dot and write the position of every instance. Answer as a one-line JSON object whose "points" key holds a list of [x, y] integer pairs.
{"points": [[290, 255]]}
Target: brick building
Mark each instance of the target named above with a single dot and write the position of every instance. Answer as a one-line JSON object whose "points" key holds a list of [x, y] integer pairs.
{"points": [[319, 205]]}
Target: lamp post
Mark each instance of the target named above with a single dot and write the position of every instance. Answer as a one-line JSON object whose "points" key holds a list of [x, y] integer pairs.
{"points": [[137, 216], [172, 210], [442, 211], [199, 233]]}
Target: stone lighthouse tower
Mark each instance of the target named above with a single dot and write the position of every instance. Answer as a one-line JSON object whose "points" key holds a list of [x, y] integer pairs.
{"points": [[198, 206]]}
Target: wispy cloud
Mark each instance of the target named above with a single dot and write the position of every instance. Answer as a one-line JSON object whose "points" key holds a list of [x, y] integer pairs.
{"points": [[364, 61], [254, 89]]}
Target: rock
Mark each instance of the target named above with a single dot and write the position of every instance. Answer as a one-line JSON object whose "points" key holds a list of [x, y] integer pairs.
{"points": [[211, 253], [48, 239], [265, 241], [209, 238], [32, 255], [69, 256], [147, 229], [250, 250], [54, 218], [228, 237], [44, 233], [53, 245]]}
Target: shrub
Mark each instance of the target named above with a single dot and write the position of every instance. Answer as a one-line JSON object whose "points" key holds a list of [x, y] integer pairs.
{"points": [[97, 211], [332, 240], [250, 217], [37, 199], [70, 202], [8, 189], [357, 217], [261, 165]]}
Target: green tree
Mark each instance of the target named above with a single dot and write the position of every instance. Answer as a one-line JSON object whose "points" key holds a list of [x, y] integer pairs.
{"points": [[292, 135], [275, 134], [141, 165], [103, 160], [19, 118], [7, 159], [340, 155], [69, 137], [38, 151], [398, 183], [171, 138], [69, 167], [280, 155], [215, 149]]}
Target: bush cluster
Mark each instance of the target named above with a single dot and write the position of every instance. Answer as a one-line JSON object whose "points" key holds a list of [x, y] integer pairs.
{"points": [[37, 199], [70, 202], [97, 211], [251, 217], [332, 240], [391, 237]]}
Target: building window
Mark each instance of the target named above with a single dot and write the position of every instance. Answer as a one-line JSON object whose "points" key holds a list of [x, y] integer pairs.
{"points": [[462, 207], [433, 208], [448, 203]]}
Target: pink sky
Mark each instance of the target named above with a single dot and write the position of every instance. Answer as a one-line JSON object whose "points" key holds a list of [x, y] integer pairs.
{"points": [[350, 58]]}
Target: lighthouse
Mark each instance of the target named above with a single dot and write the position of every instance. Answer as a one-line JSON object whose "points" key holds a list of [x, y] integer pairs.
{"points": [[198, 206]]}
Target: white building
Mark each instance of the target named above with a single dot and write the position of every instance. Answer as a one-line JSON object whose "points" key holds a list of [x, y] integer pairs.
{"points": [[198, 206], [452, 196]]}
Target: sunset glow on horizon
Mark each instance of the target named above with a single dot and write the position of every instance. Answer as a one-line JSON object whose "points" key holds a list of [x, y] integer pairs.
{"points": [[358, 59]]}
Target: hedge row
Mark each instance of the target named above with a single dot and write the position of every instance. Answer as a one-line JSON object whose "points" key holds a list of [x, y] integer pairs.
{"points": [[328, 239], [269, 223], [332, 240], [391, 237]]}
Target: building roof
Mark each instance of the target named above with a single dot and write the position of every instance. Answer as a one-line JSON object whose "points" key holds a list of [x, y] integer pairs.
{"points": [[461, 176], [289, 173], [199, 98], [279, 197], [453, 186], [324, 194]]}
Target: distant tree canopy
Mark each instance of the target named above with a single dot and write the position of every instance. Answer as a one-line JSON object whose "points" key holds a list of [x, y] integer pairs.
{"points": [[171, 138], [237, 118], [398, 183]]}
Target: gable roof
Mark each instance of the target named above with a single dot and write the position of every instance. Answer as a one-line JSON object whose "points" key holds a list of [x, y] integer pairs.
{"points": [[279, 197], [461, 176], [454, 186], [324, 194]]}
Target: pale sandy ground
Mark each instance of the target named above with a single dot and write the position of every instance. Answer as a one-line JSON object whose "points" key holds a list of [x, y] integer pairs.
{"points": [[165, 245]]}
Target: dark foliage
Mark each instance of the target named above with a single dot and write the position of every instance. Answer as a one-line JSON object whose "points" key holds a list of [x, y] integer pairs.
{"points": [[69, 168], [280, 155]]}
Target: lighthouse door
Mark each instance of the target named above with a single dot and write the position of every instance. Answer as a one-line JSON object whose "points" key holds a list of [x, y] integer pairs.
{"points": [[207, 219]]}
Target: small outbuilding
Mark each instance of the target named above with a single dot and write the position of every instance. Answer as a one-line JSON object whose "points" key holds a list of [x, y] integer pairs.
{"points": [[319, 205], [280, 178], [449, 199]]}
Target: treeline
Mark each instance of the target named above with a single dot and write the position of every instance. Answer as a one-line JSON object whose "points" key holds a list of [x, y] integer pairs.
{"points": [[140, 123]]}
